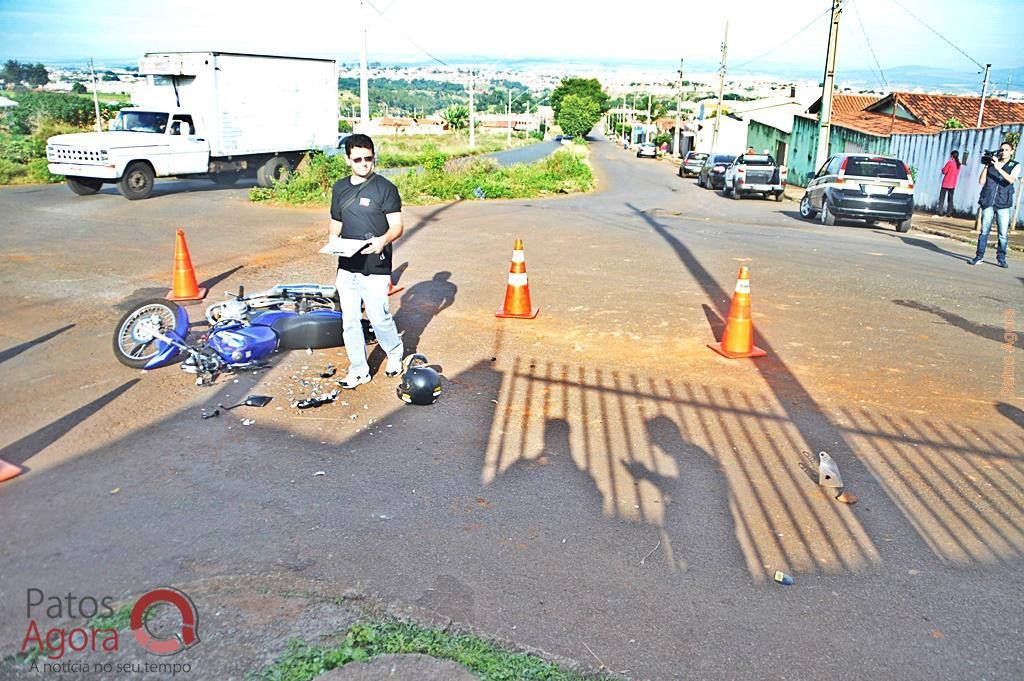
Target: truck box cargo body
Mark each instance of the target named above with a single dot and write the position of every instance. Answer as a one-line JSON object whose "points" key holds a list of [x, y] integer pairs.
{"points": [[214, 114]]}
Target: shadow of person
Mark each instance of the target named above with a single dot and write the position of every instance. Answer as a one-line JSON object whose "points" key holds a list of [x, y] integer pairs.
{"points": [[552, 487], [421, 303], [697, 523], [1015, 414]]}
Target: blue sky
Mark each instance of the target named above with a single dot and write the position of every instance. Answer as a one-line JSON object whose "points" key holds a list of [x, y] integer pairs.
{"points": [[762, 33]]}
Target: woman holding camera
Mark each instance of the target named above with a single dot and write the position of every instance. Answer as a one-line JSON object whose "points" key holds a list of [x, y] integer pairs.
{"points": [[998, 176]]}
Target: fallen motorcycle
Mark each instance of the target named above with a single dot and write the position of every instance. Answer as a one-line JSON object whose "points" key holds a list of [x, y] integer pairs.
{"points": [[242, 333]]}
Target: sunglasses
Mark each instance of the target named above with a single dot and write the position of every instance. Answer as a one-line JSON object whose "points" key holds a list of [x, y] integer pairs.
{"points": [[362, 159]]}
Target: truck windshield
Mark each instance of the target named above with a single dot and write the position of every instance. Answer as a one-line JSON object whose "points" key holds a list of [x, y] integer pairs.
{"points": [[141, 121]]}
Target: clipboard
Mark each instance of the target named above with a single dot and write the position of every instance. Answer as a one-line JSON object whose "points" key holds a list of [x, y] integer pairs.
{"points": [[346, 248]]}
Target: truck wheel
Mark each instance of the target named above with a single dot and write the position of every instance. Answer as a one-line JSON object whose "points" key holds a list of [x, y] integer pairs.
{"points": [[737, 194], [725, 190], [84, 186], [277, 169], [137, 181], [904, 225]]}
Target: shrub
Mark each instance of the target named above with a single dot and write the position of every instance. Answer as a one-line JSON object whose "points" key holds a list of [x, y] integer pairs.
{"points": [[309, 186]]}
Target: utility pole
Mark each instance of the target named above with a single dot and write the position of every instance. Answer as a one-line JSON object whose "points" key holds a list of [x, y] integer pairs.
{"points": [[508, 140], [721, 85], [984, 91], [828, 86], [679, 104], [472, 114], [95, 98], [648, 126], [364, 89]]}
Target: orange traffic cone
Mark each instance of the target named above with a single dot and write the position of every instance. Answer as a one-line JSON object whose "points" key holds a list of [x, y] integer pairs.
{"points": [[184, 286], [392, 289], [517, 293], [738, 337], [8, 470]]}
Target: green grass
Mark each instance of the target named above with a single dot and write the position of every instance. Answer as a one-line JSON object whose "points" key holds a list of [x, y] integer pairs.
{"points": [[118, 620], [564, 171], [361, 642], [400, 151]]}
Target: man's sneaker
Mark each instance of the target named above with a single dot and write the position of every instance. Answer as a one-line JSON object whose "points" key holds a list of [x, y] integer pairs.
{"points": [[1002, 263], [975, 260], [393, 367], [351, 381]]}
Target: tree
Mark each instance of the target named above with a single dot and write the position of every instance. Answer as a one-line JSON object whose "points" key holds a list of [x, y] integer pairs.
{"points": [[456, 117], [577, 115], [953, 124], [78, 89], [589, 88], [16, 72]]}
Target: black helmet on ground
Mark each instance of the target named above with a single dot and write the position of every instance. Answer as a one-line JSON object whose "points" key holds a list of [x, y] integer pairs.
{"points": [[420, 384]]}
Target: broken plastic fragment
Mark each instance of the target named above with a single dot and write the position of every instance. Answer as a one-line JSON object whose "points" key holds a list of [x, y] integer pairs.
{"points": [[782, 578]]}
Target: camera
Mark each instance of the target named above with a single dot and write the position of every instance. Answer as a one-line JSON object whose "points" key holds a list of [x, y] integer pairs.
{"points": [[988, 156]]}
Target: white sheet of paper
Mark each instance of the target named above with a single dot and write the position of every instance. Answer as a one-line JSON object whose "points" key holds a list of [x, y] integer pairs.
{"points": [[343, 247]]}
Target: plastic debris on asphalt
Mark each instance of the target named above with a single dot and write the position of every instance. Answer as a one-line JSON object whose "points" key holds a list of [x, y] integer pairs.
{"points": [[319, 474], [828, 471], [782, 578]]}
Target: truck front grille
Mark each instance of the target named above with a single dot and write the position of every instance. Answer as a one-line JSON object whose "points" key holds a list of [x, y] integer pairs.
{"points": [[61, 154]]}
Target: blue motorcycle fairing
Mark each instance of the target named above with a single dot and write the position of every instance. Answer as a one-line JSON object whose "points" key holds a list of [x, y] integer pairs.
{"points": [[166, 353], [238, 344]]}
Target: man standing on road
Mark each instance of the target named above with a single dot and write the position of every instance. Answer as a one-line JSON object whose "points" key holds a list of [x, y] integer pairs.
{"points": [[366, 206], [997, 180]]}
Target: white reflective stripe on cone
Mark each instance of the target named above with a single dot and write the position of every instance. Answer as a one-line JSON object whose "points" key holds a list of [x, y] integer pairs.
{"points": [[517, 256], [517, 279], [742, 286]]}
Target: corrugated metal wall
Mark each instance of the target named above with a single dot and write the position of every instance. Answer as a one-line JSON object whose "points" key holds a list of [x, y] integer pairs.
{"points": [[928, 153]]}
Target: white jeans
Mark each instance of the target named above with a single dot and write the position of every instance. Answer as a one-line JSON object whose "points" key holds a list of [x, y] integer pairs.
{"points": [[371, 290]]}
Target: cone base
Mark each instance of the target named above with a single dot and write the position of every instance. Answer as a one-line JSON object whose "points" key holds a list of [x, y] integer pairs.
{"points": [[8, 470], [506, 315], [199, 295], [395, 289], [754, 351]]}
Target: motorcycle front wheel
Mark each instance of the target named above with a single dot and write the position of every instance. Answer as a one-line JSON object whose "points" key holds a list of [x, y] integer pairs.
{"points": [[134, 342]]}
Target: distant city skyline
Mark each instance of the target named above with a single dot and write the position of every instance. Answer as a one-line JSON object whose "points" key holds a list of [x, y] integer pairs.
{"points": [[780, 36]]}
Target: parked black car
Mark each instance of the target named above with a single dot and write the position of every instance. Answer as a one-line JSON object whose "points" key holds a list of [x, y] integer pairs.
{"points": [[861, 187], [692, 163], [712, 173]]}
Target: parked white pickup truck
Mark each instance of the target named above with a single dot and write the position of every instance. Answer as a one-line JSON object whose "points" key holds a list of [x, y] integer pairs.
{"points": [[210, 114], [755, 173]]}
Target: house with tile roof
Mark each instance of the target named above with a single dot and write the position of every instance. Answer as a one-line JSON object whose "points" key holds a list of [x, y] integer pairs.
{"points": [[868, 124]]}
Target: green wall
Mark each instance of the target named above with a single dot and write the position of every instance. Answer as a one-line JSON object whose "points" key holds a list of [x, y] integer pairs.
{"points": [[804, 146], [763, 136]]}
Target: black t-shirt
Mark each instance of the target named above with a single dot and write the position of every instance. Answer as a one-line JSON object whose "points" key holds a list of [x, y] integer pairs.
{"points": [[362, 209]]}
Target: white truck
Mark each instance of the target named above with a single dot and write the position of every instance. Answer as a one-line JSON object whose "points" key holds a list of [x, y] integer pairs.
{"points": [[218, 115]]}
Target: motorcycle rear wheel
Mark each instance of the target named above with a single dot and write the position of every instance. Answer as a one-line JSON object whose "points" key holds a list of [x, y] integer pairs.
{"points": [[134, 345]]}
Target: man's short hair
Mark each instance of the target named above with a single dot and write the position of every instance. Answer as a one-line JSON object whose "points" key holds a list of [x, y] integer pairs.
{"points": [[358, 140]]}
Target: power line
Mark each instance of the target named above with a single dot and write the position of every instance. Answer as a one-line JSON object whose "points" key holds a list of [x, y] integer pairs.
{"points": [[404, 34], [980, 66], [786, 41], [884, 80]]}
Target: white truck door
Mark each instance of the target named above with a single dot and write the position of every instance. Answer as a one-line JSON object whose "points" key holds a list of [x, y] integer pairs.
{"points": [[189, 152]]}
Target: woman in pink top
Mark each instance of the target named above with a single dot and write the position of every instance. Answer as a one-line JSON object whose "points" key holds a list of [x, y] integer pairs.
{"points": [[950, 173]]}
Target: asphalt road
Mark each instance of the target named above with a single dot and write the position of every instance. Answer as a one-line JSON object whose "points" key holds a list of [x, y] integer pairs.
{"points": [[595, 483]]}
